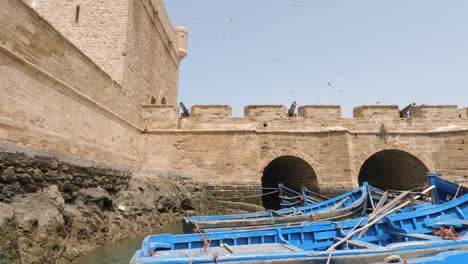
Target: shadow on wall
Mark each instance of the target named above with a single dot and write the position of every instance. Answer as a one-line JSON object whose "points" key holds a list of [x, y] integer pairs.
{"points": [[292, 171], [393, 170]]}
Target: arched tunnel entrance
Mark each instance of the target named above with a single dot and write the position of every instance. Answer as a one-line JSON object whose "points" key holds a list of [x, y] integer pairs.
{"points": [[393, 170], [291, 171]]}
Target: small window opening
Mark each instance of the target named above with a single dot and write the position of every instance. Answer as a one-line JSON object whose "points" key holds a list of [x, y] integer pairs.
{"points": [[163, 101], [265, 124], [153, 100], [77, 14]]}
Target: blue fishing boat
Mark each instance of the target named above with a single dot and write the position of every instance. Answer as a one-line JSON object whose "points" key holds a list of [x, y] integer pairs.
{"points": [[450, 257], [291, 198], [345, 206], [409, 234], [446, 190]]}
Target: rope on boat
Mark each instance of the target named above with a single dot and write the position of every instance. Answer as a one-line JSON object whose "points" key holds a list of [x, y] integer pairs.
{"points": [[290, 204], [255, 195], [290, 197]]}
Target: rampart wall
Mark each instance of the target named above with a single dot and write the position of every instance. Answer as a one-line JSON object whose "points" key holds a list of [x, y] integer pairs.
{"points": [[213, 146]]}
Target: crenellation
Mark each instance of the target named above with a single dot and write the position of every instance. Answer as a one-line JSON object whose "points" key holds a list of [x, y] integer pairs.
{"points": [[210, 112], [434, 112], [327, 112], [463, 113], [160, 116], [377, 112], [265, 112]]}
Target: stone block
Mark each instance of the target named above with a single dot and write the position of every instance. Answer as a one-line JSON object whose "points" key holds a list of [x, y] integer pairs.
{"points": [[209, 112], [377, 112], [463, 113], [160, 116], [265, 112], [435, 112], [322, 112]]}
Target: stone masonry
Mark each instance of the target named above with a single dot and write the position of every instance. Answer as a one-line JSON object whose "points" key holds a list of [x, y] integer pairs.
{"points": [[65, 90]]}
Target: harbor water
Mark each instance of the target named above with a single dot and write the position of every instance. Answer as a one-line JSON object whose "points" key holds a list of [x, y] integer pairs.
{"points": [[122, 251]]}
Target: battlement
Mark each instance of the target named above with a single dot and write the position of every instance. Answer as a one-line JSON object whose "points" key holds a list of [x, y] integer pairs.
{"points": [[160, 116], [265, 112], [463, 113], [319, 112], [211, 111], [435, 111], [380, 112], [308, 117]]}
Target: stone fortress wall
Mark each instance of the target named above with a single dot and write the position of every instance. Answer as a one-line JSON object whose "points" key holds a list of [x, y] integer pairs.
{"points": [[317, 148], [57, 94]]}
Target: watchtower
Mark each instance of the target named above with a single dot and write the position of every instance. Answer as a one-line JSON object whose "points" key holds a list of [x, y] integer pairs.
{"points": [[133, 41]]}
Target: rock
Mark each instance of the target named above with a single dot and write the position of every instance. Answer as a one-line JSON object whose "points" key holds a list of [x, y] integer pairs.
{"points": [[51, 175], [187, 204], [37, 175], [67, 186], [6, 213], [54, 194], [9, 252], [96, 196], [40, 226], [37, 210], [8, 175]]}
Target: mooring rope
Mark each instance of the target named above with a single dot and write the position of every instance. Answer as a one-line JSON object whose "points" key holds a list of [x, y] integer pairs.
{"points": [[255, 195]]}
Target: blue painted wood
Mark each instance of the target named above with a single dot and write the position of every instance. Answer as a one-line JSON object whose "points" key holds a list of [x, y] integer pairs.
{"points": [[292, 198], [446, 190], [448, 257], [395, 234]]}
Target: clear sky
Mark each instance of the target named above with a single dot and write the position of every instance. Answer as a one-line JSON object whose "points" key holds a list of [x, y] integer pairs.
{"points": [[340, 52]]}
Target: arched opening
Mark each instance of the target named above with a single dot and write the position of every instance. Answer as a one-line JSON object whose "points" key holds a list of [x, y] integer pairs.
{"points": [[163, 101], [153, 100], [393, 170], [291, 171]]}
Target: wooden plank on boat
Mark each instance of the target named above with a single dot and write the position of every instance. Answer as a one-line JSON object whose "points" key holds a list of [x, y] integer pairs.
{"points": [[228, 248], [340, 203], [415, 235], [371, 199], [361, 244], [392, 203], [381, 203]]}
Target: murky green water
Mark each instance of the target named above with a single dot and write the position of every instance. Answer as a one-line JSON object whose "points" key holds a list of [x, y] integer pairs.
{"points": [[122, 251]]}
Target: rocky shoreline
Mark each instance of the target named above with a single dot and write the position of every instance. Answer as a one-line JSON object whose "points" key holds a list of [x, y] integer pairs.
{"points": [[51, 211]]}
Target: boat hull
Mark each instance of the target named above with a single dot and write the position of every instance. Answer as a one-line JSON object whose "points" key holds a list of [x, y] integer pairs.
{"points": [[352, 256], [346, 206]]}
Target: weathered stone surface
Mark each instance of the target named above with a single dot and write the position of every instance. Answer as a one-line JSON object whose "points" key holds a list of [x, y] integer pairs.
{"points": [[40, 225], [95, 195], [6, 213], [20, 173]]}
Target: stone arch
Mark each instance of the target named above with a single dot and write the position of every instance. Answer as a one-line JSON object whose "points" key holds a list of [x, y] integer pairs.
{"points": [[163, 101], [152, 100], [393, 169], [292, 171]]}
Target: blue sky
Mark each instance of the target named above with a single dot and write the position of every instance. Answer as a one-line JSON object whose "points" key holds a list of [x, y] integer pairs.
{"points": [[245, 52]]}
